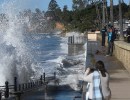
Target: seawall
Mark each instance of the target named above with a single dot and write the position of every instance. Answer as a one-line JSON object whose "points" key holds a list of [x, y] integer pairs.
{"points": [[122, 53]]}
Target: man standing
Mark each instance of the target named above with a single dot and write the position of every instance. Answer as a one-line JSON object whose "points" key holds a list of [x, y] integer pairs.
{"points": [[103, 32], [111, 38]]}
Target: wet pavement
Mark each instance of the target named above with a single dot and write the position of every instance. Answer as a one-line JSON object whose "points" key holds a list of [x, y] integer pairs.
{"points": [[53, 93], [119, 76]]}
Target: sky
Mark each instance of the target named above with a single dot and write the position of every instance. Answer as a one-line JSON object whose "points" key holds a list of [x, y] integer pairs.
{"points": [[43, 4]]}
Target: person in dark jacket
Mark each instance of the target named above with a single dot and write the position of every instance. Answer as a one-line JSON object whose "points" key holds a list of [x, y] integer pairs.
{"points": [[111, 38], [103, 32]]}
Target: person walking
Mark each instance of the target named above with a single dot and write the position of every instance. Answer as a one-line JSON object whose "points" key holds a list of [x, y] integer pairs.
{"points": [[111, 38], [103, 33], [98, 83]]}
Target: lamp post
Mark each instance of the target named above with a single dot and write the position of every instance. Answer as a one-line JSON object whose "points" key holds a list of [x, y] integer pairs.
{"points": [[121, 21]]}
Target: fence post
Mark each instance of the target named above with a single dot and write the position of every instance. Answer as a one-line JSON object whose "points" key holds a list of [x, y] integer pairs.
{"points": [[54, 75], [0, 95], [41, 80], [19, 87], [73, 39], [15, 84], [44, 77], [23, 86], [6, 89]]}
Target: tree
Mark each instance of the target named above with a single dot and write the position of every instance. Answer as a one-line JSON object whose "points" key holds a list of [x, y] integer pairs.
{"points": [[78, 4], [111, 12], [65, 8], [38, 11], [66, 15], [53, 5]]}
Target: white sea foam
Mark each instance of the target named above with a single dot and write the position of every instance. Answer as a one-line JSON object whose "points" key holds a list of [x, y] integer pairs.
{"points": [[16, 59], [75, 72]]}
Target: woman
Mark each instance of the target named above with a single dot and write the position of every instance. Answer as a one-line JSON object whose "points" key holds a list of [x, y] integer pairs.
{"points": [[98, 83]]}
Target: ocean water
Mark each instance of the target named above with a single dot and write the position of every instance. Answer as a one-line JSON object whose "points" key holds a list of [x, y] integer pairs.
{"points": [[50, 53]]}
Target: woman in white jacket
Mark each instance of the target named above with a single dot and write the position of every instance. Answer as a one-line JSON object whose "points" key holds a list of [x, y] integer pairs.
{"points": [[98, 83]]}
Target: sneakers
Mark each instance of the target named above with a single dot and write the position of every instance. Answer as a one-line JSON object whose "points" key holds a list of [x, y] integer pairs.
{"points": [[107, 55]]}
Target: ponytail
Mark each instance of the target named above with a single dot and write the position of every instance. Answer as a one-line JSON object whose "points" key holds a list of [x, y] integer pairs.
{"points": [[100, 66]]}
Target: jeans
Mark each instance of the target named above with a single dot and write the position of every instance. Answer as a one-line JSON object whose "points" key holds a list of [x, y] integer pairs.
{"points": [[103, 40], [110, 48]]}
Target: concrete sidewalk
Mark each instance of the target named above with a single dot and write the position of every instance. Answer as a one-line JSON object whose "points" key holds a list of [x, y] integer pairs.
{"points": [[119, 76]]}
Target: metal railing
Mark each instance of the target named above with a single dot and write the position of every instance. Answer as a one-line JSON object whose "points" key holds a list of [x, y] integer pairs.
{"points": [[17, 90]]}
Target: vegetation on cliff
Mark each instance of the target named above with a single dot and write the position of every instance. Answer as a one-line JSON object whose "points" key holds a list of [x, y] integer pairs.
{"points": [[82, 17]]}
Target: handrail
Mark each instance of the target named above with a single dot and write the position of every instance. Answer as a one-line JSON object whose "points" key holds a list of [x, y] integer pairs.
{"points": [[18, 89]]}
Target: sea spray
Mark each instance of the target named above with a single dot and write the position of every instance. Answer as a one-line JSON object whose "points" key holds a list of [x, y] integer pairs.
{"points": [[73, 67], [16, 57]]}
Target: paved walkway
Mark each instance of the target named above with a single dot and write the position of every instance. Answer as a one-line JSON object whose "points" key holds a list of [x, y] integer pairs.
{"points": [[119, 77]]}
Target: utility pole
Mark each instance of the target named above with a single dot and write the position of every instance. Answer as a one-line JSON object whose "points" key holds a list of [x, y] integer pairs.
{"points": [[111, 12], [121, 21]]}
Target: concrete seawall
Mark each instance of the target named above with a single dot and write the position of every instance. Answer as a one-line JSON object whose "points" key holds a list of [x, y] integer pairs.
{"points": [[75, 49], [122, 53], [76, 45]]}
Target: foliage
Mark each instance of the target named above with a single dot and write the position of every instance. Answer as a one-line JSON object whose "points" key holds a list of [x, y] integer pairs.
{"points": [[53, 5], [78, 4], [81, 18]]}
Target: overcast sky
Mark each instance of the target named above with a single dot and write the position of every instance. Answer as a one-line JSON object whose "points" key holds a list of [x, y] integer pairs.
{"points": [[41, 4]]}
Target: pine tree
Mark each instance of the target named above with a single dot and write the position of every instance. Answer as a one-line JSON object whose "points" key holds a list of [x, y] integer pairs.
{"points": [[78, 4], [53, 5]]}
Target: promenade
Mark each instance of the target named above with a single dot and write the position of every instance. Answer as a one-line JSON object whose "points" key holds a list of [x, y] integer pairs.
{"points": [[119, 76]]}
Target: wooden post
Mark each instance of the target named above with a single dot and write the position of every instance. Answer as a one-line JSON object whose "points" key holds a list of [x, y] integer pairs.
{"points": [[54, 75], [26, 85], [15, 84], [41, 80], [6, 89], [44, 77], [0, 95], [68, 40], [31, 84], [19, 87], [73, 39], [55, 81], [23, 86]]}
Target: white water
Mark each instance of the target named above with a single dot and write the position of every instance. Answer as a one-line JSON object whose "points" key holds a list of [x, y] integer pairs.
{"points": [[17, 59]]}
